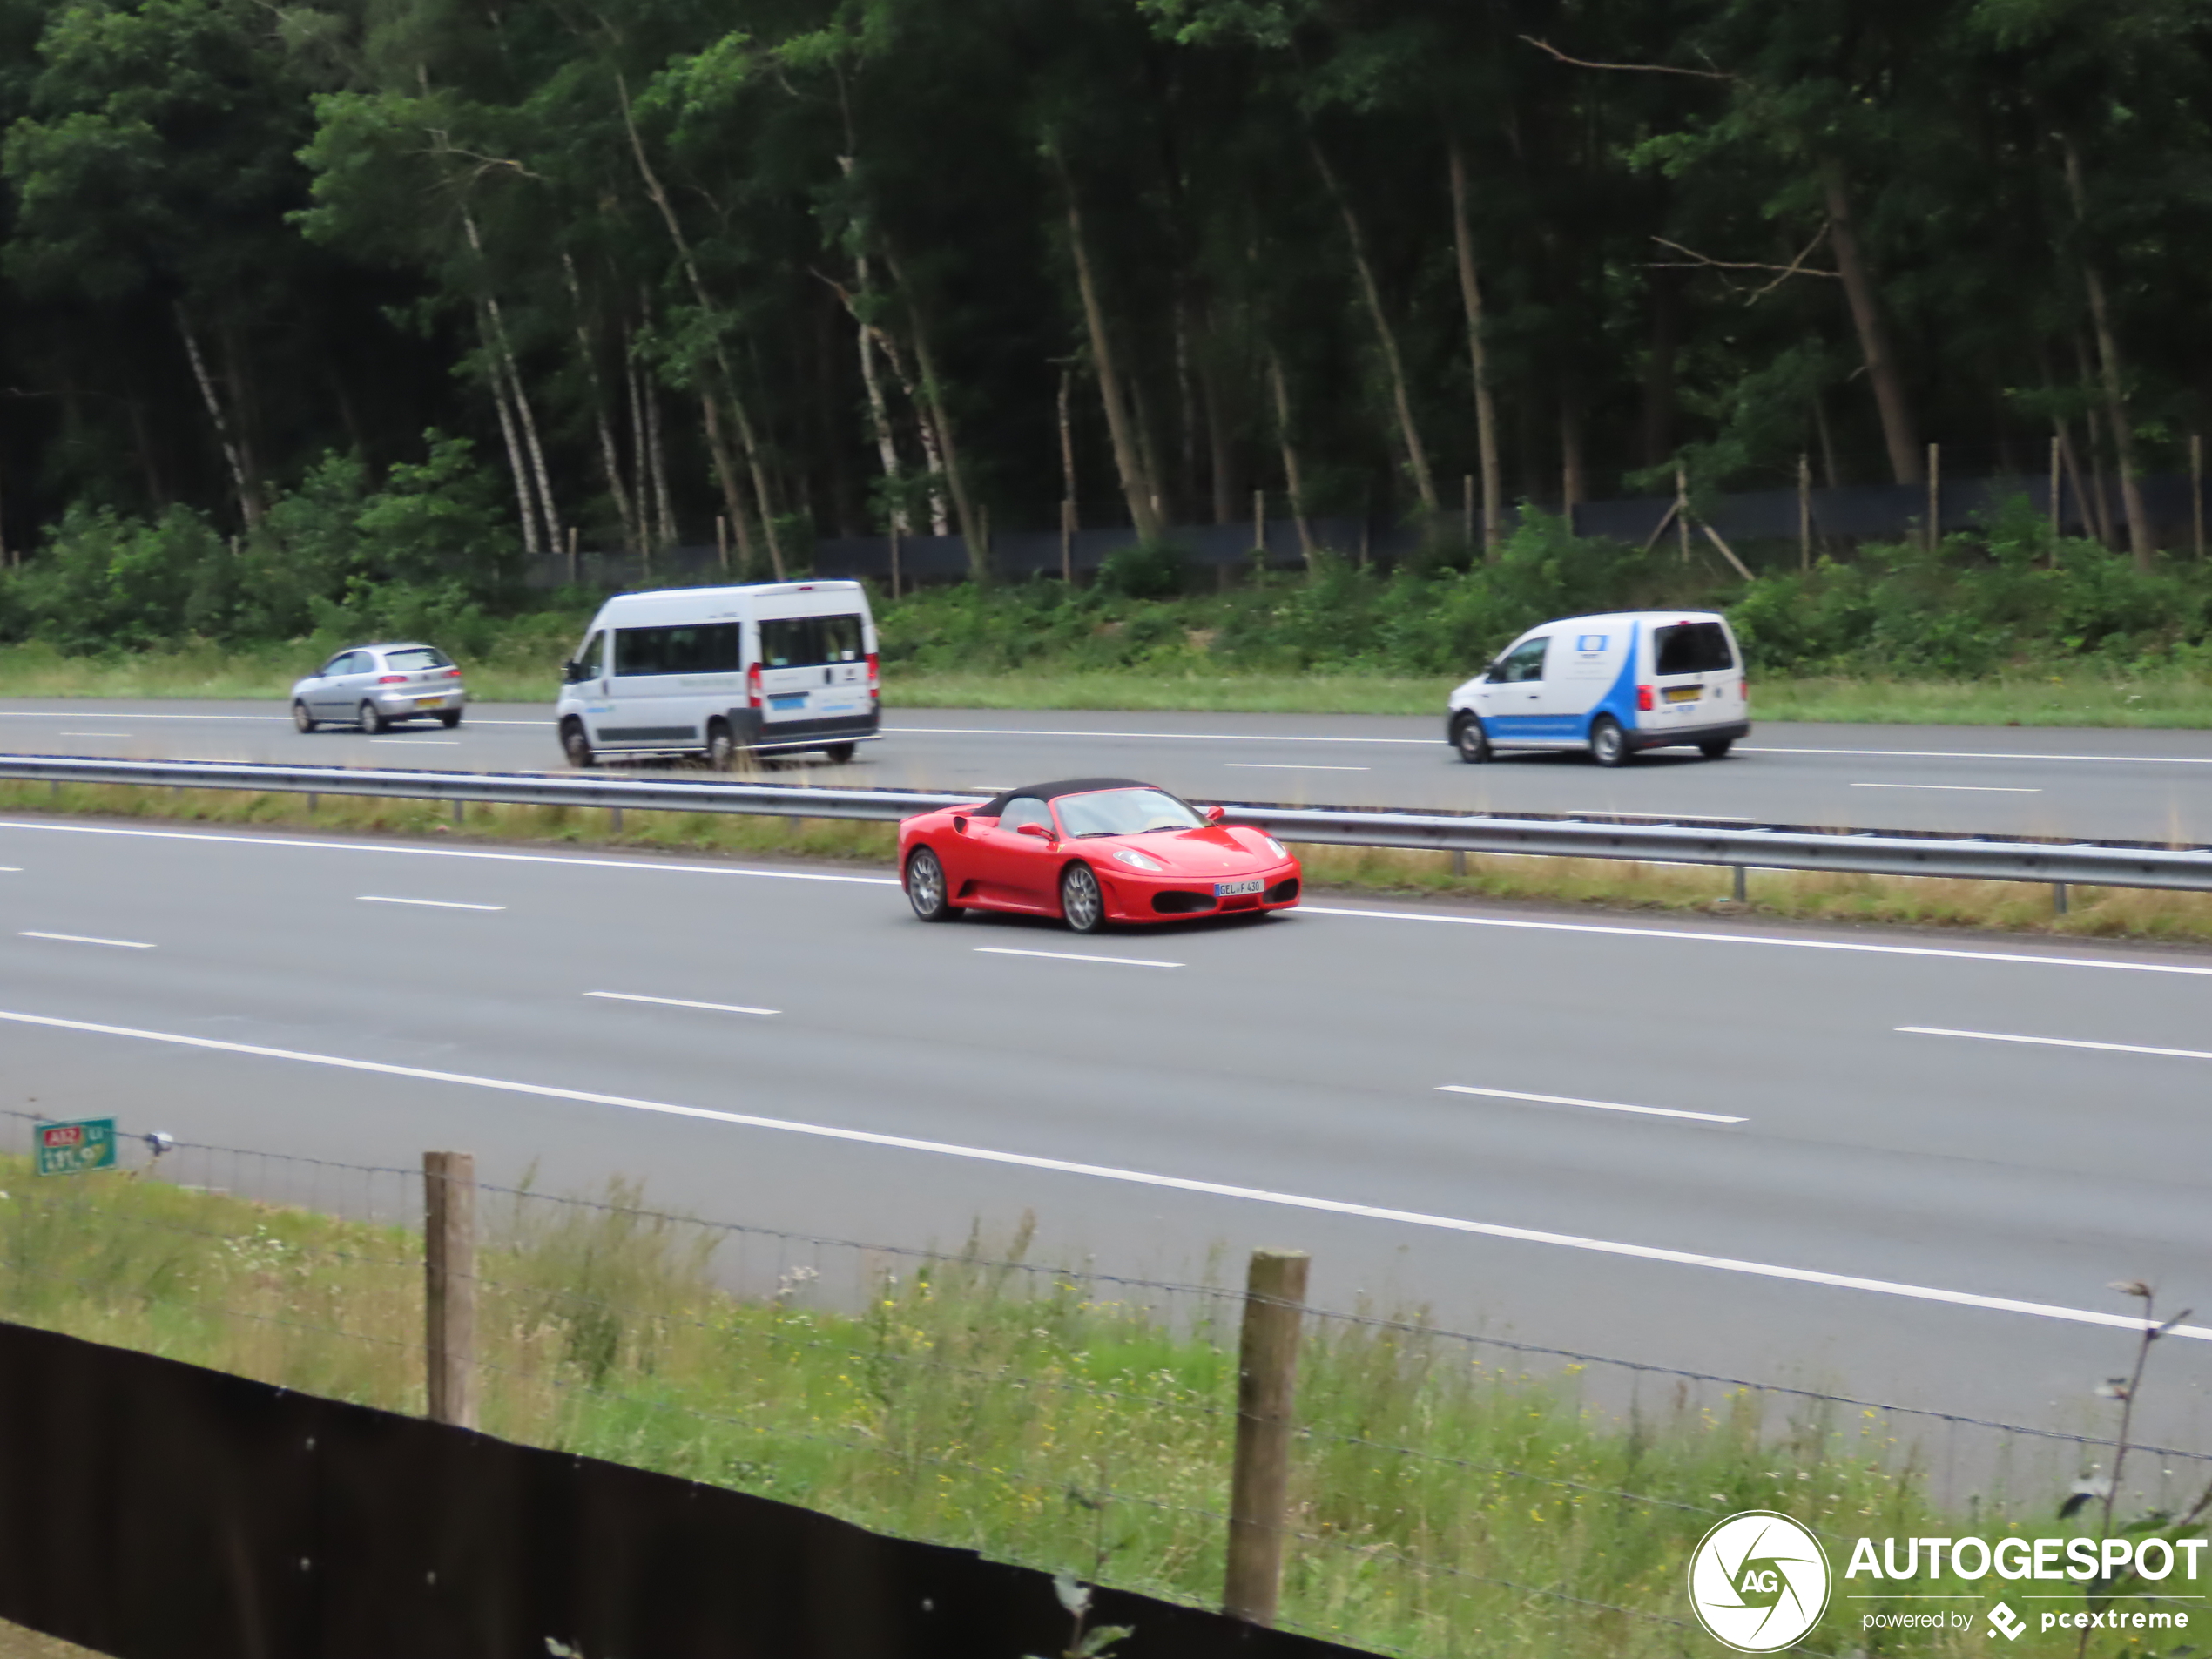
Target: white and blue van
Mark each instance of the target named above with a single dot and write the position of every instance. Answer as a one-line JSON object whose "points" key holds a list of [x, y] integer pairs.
{"points": [[769, 667], [1612, 684]]}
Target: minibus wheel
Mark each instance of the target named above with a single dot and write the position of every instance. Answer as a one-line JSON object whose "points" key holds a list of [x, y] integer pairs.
{"points": [[575, 744], [721, 745], [1608, 744], [1469, 738], [839, 753]]}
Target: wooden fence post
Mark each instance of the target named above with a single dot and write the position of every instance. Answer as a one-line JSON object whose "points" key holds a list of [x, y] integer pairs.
{"points": [[721, 543], [1067, 540], [1267, 1391], [2058, 495], [1466, 508], [449, 1284], [2196, 490], [1804, 512], [1259, 524], [1682, 514], [1935, 496], [894, 558]]}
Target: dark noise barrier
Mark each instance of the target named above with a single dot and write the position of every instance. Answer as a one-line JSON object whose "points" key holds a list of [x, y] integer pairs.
{"points": [[155, 1510]]}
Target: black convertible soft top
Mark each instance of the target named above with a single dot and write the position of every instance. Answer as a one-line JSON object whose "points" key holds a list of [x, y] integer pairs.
{"points": [[996, 807]]}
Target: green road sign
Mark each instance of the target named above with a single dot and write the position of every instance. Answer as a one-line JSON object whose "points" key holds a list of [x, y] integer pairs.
{"points": [[71, 1148]]}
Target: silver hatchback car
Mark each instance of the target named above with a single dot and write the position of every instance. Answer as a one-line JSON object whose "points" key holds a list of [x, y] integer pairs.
{"points": [[374, 686]]}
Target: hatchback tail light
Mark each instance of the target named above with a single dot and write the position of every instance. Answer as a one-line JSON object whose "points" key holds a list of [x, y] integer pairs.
{"points": [[391, 679], [874, 680], [453, 673], [753, 686], [1643, 700]]}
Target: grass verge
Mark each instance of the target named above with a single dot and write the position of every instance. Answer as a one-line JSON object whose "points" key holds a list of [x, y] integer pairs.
{"points": [[521, 665], [2094, 913], [1445, 1504]]}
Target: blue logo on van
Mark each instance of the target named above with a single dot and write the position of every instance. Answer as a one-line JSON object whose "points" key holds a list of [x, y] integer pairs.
{"points": [[1589, 642]]}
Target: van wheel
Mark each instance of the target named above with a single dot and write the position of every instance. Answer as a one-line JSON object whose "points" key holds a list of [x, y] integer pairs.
{"points": [[1469, 738], [372, 722], [575, 744], [1081, 903], [925, 889], [450, 718], [1717, 749], [840, 754], [1608, 744], [721, 745], [302, 719]]}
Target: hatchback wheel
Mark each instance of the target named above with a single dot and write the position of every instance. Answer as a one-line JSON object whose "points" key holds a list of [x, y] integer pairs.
{"points": [[925, 888], [1081, 902], [576, 745], [302, 719], [1469, 738], [450, 718], [1608, 744], [372, 722]]}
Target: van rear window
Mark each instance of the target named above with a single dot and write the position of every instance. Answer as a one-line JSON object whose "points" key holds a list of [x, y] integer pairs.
{"points": [[696, 648], [810, 641], [1692, 648]]}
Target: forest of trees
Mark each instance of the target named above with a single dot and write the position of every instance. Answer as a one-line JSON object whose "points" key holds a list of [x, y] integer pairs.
{"points": [[824, 266]]}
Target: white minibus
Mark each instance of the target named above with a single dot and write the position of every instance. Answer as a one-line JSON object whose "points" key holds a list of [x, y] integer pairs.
{"points": [[1612, 684], [766, 668]]}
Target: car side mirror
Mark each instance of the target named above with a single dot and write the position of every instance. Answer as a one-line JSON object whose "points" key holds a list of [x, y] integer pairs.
{"points": [[1037, 830], [1215, 814]]}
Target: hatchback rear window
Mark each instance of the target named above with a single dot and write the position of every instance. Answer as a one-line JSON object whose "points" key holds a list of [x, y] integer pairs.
{"points": [[414, 661], [809, 642], [1692, 648]]}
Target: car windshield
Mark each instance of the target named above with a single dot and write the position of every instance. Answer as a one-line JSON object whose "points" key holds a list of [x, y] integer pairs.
{"points": [[1124, 811], [421, 656]]}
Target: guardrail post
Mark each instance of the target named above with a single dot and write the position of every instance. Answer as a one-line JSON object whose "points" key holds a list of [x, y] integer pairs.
{"points": [[1266, 1388], [1741, 872], [450, 1285], [2058, 898]]}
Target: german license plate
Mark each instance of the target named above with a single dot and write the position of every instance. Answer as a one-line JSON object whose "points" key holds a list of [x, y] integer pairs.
{"points": [[427, 702], [1684, 693], [1230, 889]]}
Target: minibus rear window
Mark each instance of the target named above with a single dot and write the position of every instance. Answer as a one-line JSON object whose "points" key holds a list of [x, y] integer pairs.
{"points": [[697, 648], [810, 641], [1692, 648]]}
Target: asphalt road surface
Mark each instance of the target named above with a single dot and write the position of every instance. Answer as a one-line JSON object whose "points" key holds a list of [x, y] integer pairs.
{"points": [[1905, 1165], [2095, 783]]}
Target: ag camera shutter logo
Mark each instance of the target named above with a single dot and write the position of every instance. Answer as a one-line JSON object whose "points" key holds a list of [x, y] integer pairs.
{"points": [[1758, 1582]]}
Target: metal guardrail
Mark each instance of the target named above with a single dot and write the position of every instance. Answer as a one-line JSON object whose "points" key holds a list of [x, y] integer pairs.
{"points": [[2086, 864]]}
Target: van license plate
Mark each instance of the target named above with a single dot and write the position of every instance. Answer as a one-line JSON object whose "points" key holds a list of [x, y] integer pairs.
{"points": [[1684, 693], [795, 702], [1229, 889]]}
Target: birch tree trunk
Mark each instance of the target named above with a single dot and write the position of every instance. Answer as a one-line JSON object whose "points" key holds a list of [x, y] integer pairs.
{"points": [[525, 506], [609, 458], [926, 428], [249, 502], [1486, 409], [1900, 436], [1291, 478], [933, 394], [504, 364], [2123, 434], [1137, 489]]}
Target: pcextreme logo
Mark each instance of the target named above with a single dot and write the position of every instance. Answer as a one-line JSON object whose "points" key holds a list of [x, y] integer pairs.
{"points": [[1758, 1582]]}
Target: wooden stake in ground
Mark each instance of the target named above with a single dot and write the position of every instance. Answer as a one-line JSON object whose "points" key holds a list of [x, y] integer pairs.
{"points": [[450, 1285], [2057, 486], [1682, 514], [1935, 496], [2197, 491], [1266, 1392], [1259, 523], [1804, 512]]}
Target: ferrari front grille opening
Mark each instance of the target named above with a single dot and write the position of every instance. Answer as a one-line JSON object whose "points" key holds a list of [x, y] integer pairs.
{"points": [[1181, 904], [1284, 891]]}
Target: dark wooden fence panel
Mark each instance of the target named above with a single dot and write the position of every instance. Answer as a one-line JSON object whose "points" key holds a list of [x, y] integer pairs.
{"points": [[155, 1510]]}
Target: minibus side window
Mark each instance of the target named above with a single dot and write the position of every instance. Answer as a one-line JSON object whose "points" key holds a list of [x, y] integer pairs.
{"points": [[810, 641], [697, 648]]}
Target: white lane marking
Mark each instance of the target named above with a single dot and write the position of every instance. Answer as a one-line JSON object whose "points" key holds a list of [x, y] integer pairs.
{"points": [[2058, 1042], [1140, 1177], [1976, 754], [440, 742], [10, 869], [433, 904], [1755, 938], [64, 714], [1287, 766], [1602, 1105], [1072, 956], [80, 939], [678, 1002], [314, 843], [1968, 789], [91, 734], [1162, 736]]}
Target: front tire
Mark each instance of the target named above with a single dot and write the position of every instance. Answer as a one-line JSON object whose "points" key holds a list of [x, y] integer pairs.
{"points": [[925, 888], [372, 722], [1717, 749], [1081, 905], [302, 720], [1608, 744], [1470, 740], [576, 745]]}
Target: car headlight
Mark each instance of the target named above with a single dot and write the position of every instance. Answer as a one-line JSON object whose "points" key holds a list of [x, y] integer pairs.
{"points": [[1136, 860], [1275, 846]]}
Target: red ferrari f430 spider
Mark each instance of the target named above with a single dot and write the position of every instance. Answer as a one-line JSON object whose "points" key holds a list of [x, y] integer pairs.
{"points": [[1091, 851]]}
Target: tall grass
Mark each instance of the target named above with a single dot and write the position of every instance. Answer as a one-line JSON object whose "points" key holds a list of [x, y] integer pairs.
{"points": [[1447, 1498]]}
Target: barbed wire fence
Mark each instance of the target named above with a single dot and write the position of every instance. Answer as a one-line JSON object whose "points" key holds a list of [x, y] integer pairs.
{"points": [[1440, 1492]]}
